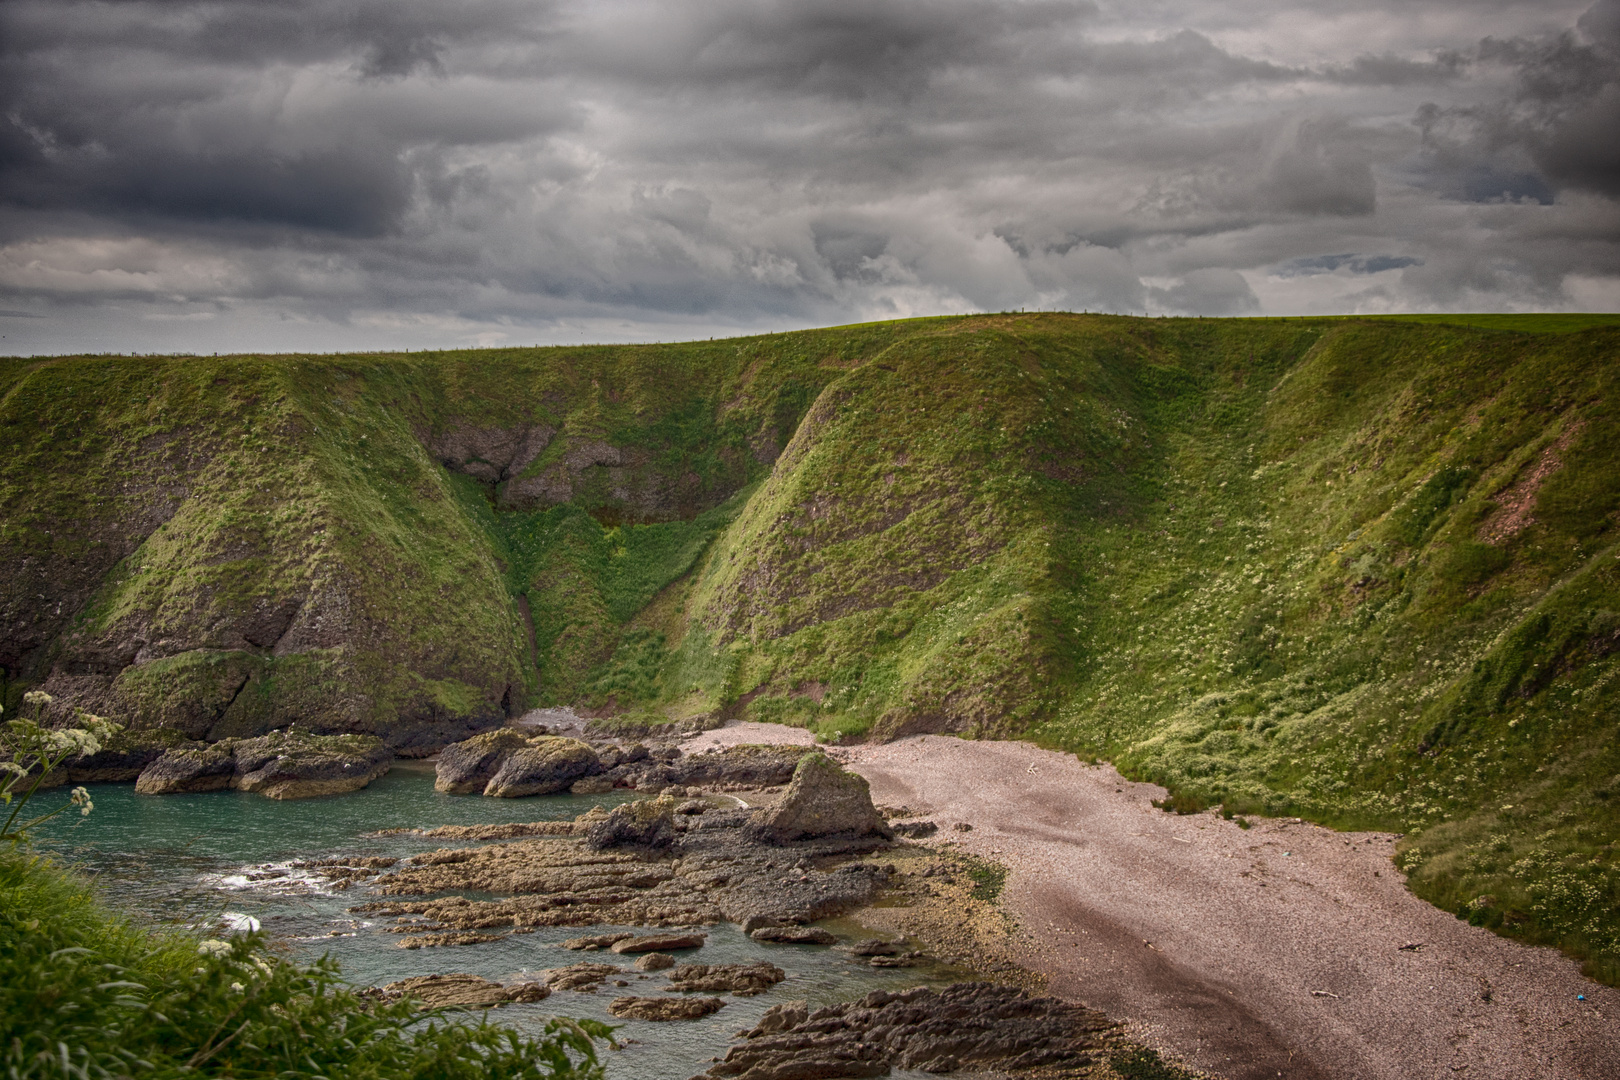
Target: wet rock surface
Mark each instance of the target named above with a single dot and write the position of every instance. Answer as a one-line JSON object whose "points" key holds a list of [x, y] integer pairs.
{"points": [[794, 935], [713, 870], [964, 1027], [647, 943], [583, 977], [461, 989], [744, 980], [280, 765], [646, 1008]]}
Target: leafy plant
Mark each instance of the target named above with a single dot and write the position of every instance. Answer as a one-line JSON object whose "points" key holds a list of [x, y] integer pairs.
{"points": [[32, 752]]}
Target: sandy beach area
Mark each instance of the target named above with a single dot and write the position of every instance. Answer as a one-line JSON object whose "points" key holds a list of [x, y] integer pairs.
{"points": [[1281, 950]]}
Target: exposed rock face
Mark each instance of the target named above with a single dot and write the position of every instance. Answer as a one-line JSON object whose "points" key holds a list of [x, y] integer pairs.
{"points": [[822, 800], [746, 766], [643, 943], [466, 767], [744, 980], [281, 765], [490, 454], [467, 990], [207, 768], [648, 823], [968, 1026], [642, 1008], [548, 764]]}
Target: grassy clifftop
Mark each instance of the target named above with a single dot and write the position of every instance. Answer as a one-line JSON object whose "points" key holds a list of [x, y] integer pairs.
{"points": [[1361, 570]]}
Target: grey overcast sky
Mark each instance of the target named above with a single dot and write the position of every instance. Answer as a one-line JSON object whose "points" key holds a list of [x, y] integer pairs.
{"points": [[335, 174]]}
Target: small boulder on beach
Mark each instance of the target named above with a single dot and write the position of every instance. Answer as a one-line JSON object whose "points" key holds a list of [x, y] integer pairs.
{"points": [[546, 765], [822, 800]]}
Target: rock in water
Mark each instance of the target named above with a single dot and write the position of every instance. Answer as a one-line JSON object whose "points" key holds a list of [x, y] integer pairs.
{"points": [[287, 765], [644, 823], [822, 800], [658, 943], [209, 768], [744, 980], [466, 767], [794, 935], [459, 989], [654, 961], [547, 764], [585, 977], [641, 1008]]}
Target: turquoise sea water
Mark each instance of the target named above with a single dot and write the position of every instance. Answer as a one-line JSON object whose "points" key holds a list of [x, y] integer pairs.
{"points": [[207, 859]]}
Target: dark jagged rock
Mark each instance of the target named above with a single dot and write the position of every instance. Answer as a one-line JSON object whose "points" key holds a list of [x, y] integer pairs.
{"points": [[822, 800], [647, 823], [966, 1026], [467, 766], [547, 764], [644, 1008], [744, 980], [914, 830]]}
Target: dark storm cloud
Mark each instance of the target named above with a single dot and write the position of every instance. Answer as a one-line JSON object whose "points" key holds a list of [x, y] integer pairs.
{"points": [[416, 170]]}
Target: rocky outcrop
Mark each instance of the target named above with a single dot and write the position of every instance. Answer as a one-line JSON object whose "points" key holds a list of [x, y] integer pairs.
{"points": [[187, 769], [286, 766], [654, 961], [471, 991], [510, 764], [548, 764], [822, 800], [645, 1008], [281, 765], [744, 980], [736, 767], [712, 870], [977, 1027], [646, 823], [467, 766]]}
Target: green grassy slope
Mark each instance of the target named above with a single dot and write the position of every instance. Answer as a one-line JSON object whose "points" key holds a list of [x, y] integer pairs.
{"points": [[1360, 570]]}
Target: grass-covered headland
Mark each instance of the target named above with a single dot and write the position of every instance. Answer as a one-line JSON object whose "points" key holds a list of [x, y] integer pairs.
{"points": [[1364, 571]]}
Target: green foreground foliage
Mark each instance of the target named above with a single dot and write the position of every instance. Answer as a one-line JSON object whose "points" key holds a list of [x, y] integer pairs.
{"points": [[85, 994], [1364, 571]]}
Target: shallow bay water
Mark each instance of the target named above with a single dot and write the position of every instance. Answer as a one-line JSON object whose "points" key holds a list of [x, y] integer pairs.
{"points": [[205, 859]]}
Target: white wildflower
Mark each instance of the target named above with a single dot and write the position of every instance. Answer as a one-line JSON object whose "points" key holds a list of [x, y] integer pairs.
{"points": [[238, 987], [214, 947], [81, 798], [38, 698]]}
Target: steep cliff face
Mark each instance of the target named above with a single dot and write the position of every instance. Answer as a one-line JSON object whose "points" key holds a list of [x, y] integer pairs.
{"points": [[1360, 570]]}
